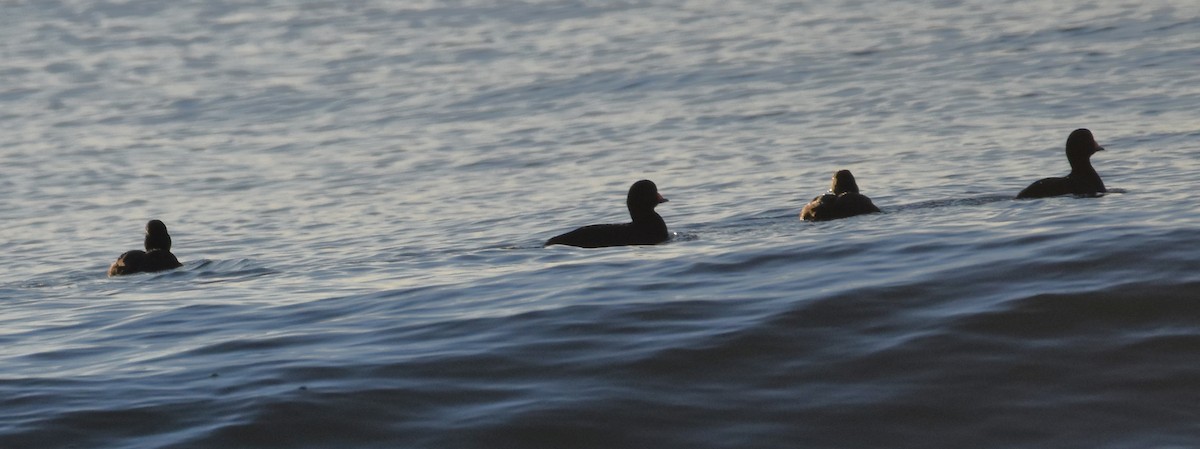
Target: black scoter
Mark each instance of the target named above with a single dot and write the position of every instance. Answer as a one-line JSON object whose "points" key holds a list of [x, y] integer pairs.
{"points": [[1083, 179], [647, 227]]}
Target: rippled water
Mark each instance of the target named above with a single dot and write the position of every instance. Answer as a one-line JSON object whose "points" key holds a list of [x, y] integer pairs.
{"points": [[359, 192]]}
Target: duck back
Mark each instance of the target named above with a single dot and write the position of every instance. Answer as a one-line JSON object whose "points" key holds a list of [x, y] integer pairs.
{"points": [[647, 232]]}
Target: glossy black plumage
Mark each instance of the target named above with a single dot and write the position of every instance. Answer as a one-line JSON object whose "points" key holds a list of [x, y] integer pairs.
{"points": [[1083, 179], [647, 227]]}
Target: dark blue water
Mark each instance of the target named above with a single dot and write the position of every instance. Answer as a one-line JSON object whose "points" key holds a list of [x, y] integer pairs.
{"points": [[359, 193]]}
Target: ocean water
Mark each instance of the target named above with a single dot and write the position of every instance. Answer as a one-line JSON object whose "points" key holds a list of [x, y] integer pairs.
{"points": [[359, 192]]}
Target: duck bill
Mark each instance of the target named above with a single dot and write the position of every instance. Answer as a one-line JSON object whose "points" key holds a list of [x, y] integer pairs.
{"points": [[661, 199]]}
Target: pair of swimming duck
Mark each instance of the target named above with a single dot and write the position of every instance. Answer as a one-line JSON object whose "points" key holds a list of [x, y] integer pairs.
{"points": [[648, 228], [843, 199]]}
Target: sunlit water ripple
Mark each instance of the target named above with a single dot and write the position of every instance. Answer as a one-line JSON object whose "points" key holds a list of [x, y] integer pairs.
{"points": [[359, 192]]}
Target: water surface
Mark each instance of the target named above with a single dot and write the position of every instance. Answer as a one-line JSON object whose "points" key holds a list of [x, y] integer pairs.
{"points": [[359, 193]]}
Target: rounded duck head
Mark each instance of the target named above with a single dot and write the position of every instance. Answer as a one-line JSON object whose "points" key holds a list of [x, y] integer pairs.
{"points": [[843, 182], [157, 236], [643, 197], [1081, 145]]}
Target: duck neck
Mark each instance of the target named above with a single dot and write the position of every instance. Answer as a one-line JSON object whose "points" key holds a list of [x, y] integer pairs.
{"points": [[1082, 171], [644, 216], [157, 241]]}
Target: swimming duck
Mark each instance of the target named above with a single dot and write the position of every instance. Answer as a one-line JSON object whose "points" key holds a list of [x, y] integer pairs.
{"points": [[842, 200], [1083, 179], [156, 257], [647, 227]]}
